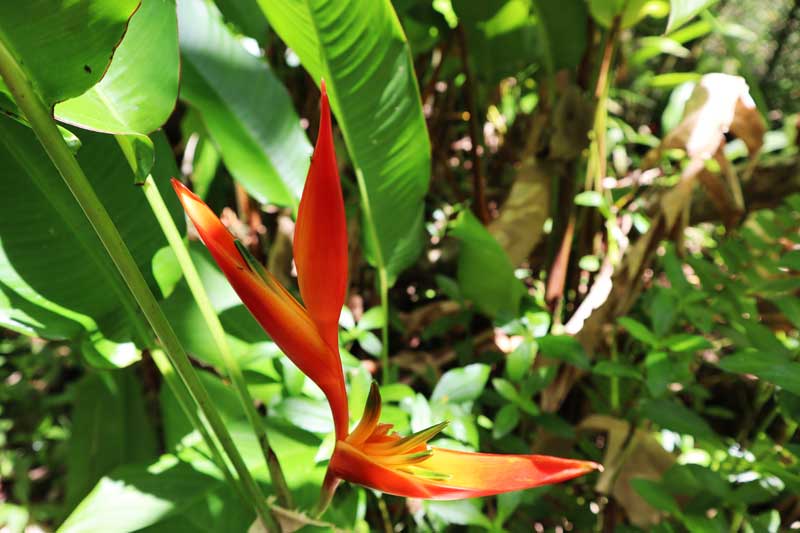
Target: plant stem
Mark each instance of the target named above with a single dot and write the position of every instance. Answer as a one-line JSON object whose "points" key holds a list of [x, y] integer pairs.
{"points": [[187, 405], [475, 133], [329, 485], [43, 125], [214, 326], [614, 380], [383, 276], [383, 287]]}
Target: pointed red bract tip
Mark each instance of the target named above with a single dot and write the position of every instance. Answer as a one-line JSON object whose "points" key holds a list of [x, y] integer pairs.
{"points": [[323, 89], [320, 237]]}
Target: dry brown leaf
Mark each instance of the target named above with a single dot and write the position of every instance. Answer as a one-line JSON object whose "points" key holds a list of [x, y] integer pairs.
{"points": [[720, 103], [629, 457]]}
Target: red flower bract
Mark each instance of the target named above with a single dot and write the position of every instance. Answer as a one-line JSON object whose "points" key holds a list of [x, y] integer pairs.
{"points": [[371, 454]]}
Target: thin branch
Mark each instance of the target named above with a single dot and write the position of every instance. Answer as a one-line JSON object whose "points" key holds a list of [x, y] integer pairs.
{"points": [[478, 179]]}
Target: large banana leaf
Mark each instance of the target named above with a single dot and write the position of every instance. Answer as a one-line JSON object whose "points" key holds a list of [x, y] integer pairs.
{"points": [[56, 279], [64, 46], [245, 108], [137, 93], [359, 48]]}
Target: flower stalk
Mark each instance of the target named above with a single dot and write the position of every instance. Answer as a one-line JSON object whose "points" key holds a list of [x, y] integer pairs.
{"points": [[211, 319]]}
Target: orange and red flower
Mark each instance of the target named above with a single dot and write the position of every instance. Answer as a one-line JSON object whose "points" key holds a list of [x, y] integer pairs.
{"points": [[371, 454]]}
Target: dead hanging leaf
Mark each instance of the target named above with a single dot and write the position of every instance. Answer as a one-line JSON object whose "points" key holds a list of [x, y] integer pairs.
{"points": [[629, 456], [719, 104]]}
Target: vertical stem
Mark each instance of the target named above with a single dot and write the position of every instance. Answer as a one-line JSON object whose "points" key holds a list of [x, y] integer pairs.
{"points": [[326, 493], [478, 179], [383, 287], [614, 380], [43, 125], [187, 405], [383, 275], [218, 334]]}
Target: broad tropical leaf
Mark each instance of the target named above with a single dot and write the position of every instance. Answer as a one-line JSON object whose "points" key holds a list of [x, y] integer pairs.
{"points": [[65, 47], [360, 50], [137, 93], [55, 277], [246, 109]]}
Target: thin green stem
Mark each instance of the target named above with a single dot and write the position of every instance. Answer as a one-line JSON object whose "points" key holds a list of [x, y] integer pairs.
{"points": [[614, 380], [187, 405], [383, 275], [214, 326], [383, 287], [43, 125]]}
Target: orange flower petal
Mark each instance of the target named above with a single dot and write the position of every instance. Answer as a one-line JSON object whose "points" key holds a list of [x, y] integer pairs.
{"points": [[283, 318], [483, 474], [450, 475], [320, 236]]}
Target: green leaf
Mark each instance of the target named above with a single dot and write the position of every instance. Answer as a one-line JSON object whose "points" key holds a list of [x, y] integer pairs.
{"points": [[659, 372], [670, 118], [56, 277], [134, 497], [677, 417], [245, 108], [791, 259], [564, 348], [656, 495], [769, 366], [684, 342], [630, 11], [137, 93], [654, 45], [564, 24], [359, 48], [638, 331], [460, 512], [505, 389], [14, 517], [616, 369], [673, 79], [507, 503], [461, 384], [504, 36], [589, 199], [370, 343], [485, 273], [109, 428], [248, 18], [505, 421], [372, 319], [64, 47], [682, 11], [518, 362], [663, 310], [311, 415]]}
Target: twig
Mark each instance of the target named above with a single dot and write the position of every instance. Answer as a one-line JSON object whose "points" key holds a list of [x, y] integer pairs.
{"points": [[440, 52], [478, 180]]}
